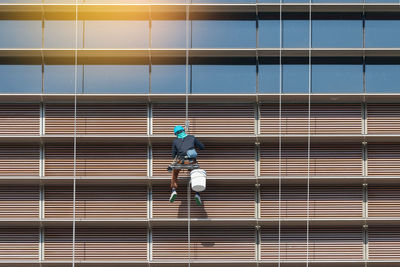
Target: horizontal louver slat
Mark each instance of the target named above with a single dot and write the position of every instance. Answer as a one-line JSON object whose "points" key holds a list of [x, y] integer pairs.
{"points": [[96, 160], [19, 160], [383, 201], [205, 118], [384, 243], [325, 159], [97, 119], [383, 118], [325, 244], [105, 244], [324, 119], [218, 202], [218, 160], [324, 201], [19, 244], [383, 159], [96, 202], [20, 119], [233, 244], [19, 201]]}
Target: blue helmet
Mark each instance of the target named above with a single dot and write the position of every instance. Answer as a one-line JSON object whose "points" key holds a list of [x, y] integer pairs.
{"points": [[178, 128]]}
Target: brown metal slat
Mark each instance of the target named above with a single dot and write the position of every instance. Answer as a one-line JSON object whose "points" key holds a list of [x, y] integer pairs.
{"points": [[19, 244], [19, 119], [97, 119], [383, 118], [19, 160], [96, 202], [19, 201], [333, 201], [218, 202], [205, 118], [231, 160]]}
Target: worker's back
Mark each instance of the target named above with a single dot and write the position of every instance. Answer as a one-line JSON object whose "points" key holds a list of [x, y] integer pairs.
{"points": [[181, 146]]}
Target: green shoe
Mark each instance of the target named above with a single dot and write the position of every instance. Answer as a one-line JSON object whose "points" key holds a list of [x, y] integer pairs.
{"points": [[198, 199], [174, 194]]}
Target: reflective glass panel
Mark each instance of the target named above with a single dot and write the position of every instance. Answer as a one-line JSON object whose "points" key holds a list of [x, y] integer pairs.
{"points": [[21, 79], [268, 77], [61, 34], [295, 33], [168, 79], [295, 78], [116, 34], [116, 79], [337, 78], [168, 34], [268, 31], [20, 34], [209, 79], [337, 33], [382, 78], [60, 79], [224, 33], [382, 33], [224, 1]]}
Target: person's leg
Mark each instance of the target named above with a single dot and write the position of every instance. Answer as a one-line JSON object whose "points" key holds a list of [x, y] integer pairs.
{"points": [[174, 185], [198, 199]]}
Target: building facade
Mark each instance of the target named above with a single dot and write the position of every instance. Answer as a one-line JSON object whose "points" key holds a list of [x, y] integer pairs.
{"points": [[297, 103]]}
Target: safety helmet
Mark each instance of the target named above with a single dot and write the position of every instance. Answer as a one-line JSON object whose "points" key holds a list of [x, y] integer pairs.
{"points": [[178, 128]]}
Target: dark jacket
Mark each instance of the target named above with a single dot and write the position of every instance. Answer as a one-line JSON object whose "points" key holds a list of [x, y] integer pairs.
{"points": [[180, 146]]}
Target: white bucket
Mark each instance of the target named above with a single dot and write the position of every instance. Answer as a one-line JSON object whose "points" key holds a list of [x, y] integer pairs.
{"points": [[198, 179]]}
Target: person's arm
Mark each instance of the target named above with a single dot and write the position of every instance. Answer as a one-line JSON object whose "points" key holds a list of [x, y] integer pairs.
{"points": [[174, 150], [198, 144]]}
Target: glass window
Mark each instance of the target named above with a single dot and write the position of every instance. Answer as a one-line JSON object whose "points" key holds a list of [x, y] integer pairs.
{"points": [[269, 33], [219, 79], [20, 34], [61, 34], [168, 34], [295, 78], [116, 34], [381, 1], [337, 33], [60, 79], [116, 1], [224, 1], [382, 33], [268, 77], [382, 78], [337, 1], [116, 79], [168, 79], [337, 78], [24, 79], [295, 33], [224, 33]]}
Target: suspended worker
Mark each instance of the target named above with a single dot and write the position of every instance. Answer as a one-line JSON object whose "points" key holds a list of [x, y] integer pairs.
{"points": [[183, 149]]}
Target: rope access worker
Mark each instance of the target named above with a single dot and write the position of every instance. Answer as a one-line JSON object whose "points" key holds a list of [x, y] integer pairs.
{"points": [[183, 148]]}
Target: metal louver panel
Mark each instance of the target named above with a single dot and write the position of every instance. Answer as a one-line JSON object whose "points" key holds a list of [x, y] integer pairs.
{"points": [[97, 160], [325, 244], [325, 159], [383, 118], [19, 201], [384, 243], [325, 201], [96, 202], [20, 119], [383, 159], [233, 244], [218, 202], [19, 244], [96, 244], [19, 160], [205, 118], [231, 160], [384, 201], [324, 119], [97, 119]]}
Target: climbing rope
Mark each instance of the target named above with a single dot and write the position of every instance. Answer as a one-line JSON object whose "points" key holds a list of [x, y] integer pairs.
{"points": [[187, 123], [75, 113], [309, 130], [280, 134]]}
